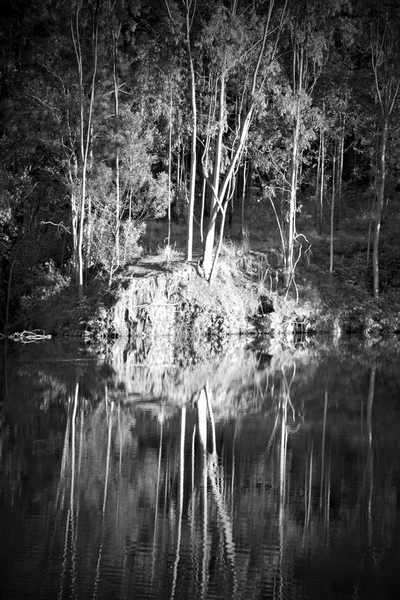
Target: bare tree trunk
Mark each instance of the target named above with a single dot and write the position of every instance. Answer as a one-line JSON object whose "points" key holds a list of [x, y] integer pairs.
{"points": [[210, 235], [193, 158], [169, 166], [289, 274], [318, 180], [298, 88], [178, 183], [220, 189], [340, 172], [115, 37], [203, 203], [242, 225], [205, 158], [379, 207], [334, 169], [322, 183], [84, 140], [89, 226], [72, 176]]}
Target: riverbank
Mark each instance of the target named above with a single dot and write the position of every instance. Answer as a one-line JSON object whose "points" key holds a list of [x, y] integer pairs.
{"points": [[163, 295], [158, 297]]}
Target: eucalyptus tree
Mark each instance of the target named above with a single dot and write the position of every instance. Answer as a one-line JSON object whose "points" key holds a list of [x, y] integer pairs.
{"points": [[190, 8], [336, 121], [311, 27], [115, 20], [131, 118], [385, 60], [337, 108], [161, 76], [233, 40], [84, 24]]}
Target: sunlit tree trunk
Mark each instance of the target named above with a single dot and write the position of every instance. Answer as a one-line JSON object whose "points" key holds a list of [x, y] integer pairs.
{"points": [[242, 222], [85, 125], [205, 158], [193, 157], [291, 230], [219, 190], [210, 234], [333, 199], [322, 179], [115, 32], [379, 207], [298, 76], [72, 176], [169, 166]]}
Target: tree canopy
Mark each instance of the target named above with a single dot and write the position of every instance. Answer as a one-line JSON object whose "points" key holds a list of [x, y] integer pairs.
{"points": [[115, 112]]}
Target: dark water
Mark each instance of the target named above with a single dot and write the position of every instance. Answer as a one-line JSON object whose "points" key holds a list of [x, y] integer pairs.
{"points": [[246, 475]]}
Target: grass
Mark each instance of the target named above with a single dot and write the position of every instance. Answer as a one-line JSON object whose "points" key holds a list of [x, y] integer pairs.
{"points": [[169, 253]]}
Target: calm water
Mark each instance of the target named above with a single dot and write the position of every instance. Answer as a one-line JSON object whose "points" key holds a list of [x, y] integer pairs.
{"points": [[250, 474]]}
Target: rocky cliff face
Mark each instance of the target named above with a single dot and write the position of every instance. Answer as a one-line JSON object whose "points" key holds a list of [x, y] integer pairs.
{"points": [[179, 303]]}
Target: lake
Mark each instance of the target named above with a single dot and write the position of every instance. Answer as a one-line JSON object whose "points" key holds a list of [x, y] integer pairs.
{"points": [[240, 471]]}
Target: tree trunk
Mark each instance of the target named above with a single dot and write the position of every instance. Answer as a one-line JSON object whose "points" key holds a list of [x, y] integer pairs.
{"points": [[72, 176], [193, 158], [115, 37], [322, 183], [298, 85], [244, 175], [84, 140], [379, 207], [291, 233], [334, 169], [169, 167], [318, 180], [220, 190], [210, 234], [340, 172]]}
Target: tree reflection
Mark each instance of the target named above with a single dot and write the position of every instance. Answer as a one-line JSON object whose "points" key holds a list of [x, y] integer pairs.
{"points": [[184, 471], [248, 488]]}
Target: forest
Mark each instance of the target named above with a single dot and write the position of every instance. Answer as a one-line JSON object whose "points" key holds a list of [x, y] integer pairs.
{"points": [[116, 114]]}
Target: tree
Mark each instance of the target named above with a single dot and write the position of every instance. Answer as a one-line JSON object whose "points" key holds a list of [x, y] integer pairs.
{"points": [[37, 120], [385, 58], [190, 8], [80, 34], [311, 30], [236, 48]]}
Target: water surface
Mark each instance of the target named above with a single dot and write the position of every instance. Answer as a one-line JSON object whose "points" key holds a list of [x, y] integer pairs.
{"points": [[245, 475]]}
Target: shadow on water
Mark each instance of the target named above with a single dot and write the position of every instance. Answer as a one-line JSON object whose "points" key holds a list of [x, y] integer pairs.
{"points": [[247, 475]]}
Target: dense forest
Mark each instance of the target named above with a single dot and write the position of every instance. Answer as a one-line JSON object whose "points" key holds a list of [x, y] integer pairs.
{"points": [[117, 112]]}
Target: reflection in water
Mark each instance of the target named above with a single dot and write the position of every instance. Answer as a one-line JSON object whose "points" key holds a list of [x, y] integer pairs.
{"points": [[273, 482]]}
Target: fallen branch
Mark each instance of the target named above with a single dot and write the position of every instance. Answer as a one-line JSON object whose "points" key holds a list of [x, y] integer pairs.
{"points": [[27, 337], [58, 225]]}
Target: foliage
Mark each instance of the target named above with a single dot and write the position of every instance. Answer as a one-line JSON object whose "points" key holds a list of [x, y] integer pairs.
{"points": [[326, 72], [44, 283]]}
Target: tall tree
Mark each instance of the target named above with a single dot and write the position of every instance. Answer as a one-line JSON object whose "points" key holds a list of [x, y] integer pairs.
{"points": [[115, 32], [236, 48], [84, 27], [310, 29], [385, 57], [190, 8]]}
